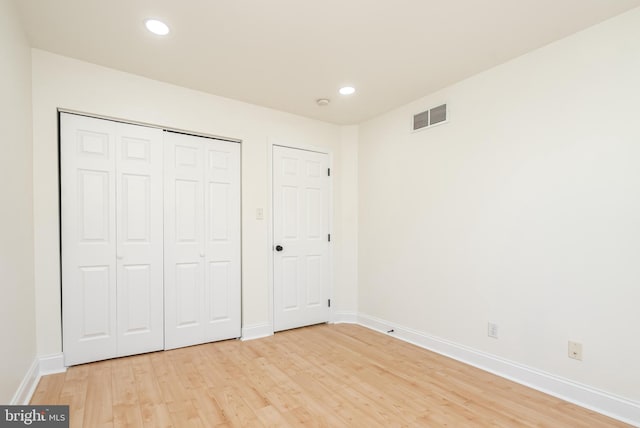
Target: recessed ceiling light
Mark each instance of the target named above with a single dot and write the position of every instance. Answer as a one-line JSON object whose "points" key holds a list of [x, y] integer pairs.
{"points": [[347, 90], [157, 27]]}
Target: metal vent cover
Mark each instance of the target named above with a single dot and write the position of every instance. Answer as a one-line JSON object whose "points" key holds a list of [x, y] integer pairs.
{"points": [[430, 117], [421, 120]]}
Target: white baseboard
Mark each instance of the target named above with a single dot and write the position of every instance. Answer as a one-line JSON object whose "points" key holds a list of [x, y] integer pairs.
{"points": [[41, 366], [341, 317], [27, 386], [256, 331], [50, 364], [585, 396]]}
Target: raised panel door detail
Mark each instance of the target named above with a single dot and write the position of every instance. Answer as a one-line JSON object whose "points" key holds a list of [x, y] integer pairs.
{"points": [[137, 211], [219, 291], [290, 212], [186, 157], [290, 282], [136, 149], [137, 291], [289, 166], [186, 208], [313, 197], [96, 310], [219, 209], [314, 279], [188, 293], [93, 144], [218, 160], [94, 205], [314, 169]]}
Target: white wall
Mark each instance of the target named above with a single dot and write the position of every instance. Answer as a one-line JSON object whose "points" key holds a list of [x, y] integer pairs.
{"points": [[523, 210], [17, 336], [60, 82]]}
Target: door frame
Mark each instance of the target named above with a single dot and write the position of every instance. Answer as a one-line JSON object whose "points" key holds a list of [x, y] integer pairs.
{"points": [[271, 242]]}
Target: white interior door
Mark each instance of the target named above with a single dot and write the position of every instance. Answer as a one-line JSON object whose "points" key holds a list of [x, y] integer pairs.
{"points": [[301, 237], [202, 240], [111, 198]]}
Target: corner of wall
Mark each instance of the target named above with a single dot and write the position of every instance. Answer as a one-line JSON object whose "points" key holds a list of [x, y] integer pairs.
{"points": [[256, 331], [47, 365], [28, 385]]}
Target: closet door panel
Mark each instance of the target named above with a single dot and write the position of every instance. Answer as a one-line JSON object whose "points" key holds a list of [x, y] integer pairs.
{"points": [[202, 240], [184, 241], [112, 246], [88, 234], [222, 212], [140, 302]]}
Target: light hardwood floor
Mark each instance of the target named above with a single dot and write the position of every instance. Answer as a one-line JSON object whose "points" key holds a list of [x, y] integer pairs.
{"points": [[326, 375]]}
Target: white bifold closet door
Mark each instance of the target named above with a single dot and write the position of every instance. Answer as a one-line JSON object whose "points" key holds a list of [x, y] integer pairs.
{"points": [[112, 238], [202, 240]]}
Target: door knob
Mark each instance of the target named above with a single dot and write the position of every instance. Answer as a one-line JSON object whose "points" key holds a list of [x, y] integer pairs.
{"points": [[279, 248]]}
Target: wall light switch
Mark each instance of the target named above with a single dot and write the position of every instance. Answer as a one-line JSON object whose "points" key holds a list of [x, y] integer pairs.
{"points": [[492, 330], [259, 214]]}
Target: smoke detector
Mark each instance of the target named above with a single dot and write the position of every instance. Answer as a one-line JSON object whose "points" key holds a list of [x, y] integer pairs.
{"points": [[322, 102]]}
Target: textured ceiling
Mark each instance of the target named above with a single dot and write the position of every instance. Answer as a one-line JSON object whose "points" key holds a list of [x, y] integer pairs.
{"points": [[285, 54]]}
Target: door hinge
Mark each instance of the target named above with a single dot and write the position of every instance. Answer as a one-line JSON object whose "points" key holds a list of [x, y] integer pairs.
{"points": [[329, 172], [329, 237], [329, 302]]}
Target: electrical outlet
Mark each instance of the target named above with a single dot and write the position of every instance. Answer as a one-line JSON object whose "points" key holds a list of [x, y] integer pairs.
{"points": [[575, 350], [492, 330]]}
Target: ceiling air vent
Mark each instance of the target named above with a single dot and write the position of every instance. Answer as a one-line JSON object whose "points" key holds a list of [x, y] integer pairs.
{"points": [[430, 117]]}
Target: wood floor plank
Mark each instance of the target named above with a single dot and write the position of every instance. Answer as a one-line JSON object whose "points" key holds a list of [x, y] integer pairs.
{"points": [[186, 415], [235, 408], [156, 416], [74, 394], [98, 410], [48, 389], [208, 408], [319, 376], [125, 399], [269, 417]]}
